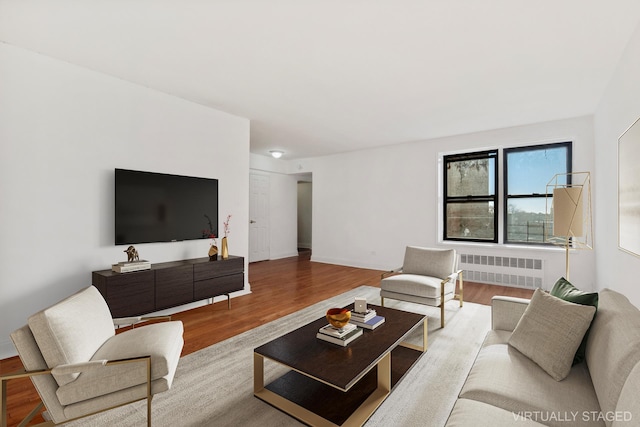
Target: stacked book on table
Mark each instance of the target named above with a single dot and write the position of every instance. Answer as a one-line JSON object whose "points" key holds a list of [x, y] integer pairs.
{"points": [[342, 336], [128, 267], [366, 320]]}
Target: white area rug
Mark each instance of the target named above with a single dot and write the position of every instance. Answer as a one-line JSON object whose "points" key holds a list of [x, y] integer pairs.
{"points": [[214, 386]]}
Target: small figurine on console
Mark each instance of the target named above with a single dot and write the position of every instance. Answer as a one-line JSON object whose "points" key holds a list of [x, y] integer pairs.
{"points": [[132, 254], [208, 232], [213, 252]]}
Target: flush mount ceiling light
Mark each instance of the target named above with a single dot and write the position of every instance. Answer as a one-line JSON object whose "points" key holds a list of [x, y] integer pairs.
{"points": [[276, 153]]}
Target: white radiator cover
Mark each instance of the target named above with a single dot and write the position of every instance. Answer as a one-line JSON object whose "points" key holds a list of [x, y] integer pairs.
{"points": [[506, 271]]}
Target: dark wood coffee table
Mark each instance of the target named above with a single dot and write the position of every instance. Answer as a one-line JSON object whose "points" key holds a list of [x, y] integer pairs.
{"points": [[332, 385]]}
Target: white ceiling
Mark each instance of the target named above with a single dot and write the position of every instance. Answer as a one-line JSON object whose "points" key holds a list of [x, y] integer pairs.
{"points": [[323, 76]]}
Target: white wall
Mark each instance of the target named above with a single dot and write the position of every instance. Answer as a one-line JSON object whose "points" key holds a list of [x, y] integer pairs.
{"points": [[63, 130], [618, 109], [368, 205]]}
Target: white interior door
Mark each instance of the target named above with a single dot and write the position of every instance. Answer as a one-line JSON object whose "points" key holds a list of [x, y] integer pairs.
{"points": [[258, 217]]}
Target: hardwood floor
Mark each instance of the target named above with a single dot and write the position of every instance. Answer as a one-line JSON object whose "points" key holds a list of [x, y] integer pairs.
{"points": [[278, 288]]}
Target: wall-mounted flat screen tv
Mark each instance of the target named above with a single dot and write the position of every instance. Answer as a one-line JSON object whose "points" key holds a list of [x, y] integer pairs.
{"points": [[157, 207]]}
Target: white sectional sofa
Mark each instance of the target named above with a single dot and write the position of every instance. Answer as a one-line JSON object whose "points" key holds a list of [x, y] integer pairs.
{"points": [[507, 388]]}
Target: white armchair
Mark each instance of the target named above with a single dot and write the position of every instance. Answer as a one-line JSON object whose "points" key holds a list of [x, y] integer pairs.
{"points": [[427, 276], [80, 366]]}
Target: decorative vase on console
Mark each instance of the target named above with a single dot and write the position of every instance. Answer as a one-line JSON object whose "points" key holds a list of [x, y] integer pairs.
{"points": [[225, 247]]}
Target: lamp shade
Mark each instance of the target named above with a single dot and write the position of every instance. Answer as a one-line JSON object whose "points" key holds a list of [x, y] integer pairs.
{"points": [[567, 212]]}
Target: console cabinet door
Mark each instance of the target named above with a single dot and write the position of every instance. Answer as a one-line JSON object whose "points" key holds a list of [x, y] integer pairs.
{"points": [[207, 270], [131, 294], [218, 286], [174, 286]]}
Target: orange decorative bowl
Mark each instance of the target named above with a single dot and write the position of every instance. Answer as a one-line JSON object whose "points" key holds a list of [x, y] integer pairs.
{"points": [[338, 317]]}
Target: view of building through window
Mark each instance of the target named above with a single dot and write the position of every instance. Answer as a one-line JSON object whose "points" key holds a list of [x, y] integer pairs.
{"points": [[471, 207], [471, 196]]}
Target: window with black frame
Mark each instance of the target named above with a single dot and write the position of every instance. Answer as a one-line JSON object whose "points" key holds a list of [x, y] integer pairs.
{"points": [[527, 170], [470, 196]]}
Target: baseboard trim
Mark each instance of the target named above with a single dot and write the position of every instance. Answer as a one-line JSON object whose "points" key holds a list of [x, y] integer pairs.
{"points": [[346, 263], [283, 255]]}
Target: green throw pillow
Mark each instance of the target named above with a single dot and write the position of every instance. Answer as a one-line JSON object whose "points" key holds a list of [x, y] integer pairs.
{"points": [[566, 291]]}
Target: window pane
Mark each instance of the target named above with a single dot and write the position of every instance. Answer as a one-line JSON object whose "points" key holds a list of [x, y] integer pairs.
{"points": [[470, 220], [526, 220], [471, 177], [530, 171]]}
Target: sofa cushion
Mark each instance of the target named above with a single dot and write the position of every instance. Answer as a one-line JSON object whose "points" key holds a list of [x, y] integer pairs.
{"points": [[564, 290], [162, 341], [477, 414], [440, 262], [613, 348], [503, 377], [628, 407], [72, 330], [414, 284]]}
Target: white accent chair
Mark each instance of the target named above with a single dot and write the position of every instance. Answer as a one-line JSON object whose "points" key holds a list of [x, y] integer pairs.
{"points": [[427, 276], [80, 366]]}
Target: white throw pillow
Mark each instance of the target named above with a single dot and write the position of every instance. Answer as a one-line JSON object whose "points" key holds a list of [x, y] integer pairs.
{"points": [[550, 331]]}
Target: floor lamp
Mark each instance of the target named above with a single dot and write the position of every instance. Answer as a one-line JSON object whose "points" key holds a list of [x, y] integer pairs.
{"points": [[570, 209]]}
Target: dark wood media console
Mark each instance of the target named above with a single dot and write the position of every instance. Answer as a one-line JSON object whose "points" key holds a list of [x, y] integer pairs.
{"points": [[169, 284]]}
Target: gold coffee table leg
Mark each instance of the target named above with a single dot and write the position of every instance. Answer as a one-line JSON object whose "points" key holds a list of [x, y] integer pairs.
{"points": [[423, 347], [258, 373], [369, 406]]}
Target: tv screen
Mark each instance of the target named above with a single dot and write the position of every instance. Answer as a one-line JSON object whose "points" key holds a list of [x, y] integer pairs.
{"points": [[156, 207]]}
